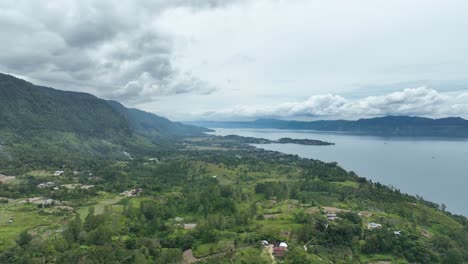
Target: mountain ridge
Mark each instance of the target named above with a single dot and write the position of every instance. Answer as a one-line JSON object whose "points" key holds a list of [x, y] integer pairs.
{"points": [[412, 126], [24, 105], [36, 119]]}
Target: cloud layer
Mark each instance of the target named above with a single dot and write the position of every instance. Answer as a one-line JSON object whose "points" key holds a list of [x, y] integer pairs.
{"points": [[112, 50], [247, 58], [421, 101]]}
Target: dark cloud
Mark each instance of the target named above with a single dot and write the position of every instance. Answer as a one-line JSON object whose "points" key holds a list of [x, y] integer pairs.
{"points": [[112, 49]]}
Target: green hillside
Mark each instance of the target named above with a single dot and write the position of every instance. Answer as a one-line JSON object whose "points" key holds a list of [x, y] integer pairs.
{"points": [[41, 121]]}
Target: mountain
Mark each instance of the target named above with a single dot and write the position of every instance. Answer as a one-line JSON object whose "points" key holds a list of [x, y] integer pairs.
{"points": [[154, 126], [382, 126], [25, 107], [53, 119]]}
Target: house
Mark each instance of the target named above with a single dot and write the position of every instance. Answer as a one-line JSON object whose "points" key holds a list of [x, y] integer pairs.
{"points": [[58, 173], [134, 192], [331, 217], [398, 232], [45, 185], [265, 243], [189, 226], [279, 250], [373, 226], [47, 202], [155, 160], [56, 188], [10, 221]]}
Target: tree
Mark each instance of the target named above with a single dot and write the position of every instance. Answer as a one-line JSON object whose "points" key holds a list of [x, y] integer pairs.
{"points": [[74, 229], [24, 239], [453, 256]]}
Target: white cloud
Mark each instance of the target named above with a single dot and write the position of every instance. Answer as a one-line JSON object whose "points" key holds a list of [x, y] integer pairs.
{"points": [[419, 101]]}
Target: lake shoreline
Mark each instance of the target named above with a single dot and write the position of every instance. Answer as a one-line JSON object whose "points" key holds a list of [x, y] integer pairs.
{"points": [[429, 168]]}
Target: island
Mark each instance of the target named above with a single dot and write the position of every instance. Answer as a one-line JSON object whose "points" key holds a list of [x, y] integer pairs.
{"points": [[254, 140]]}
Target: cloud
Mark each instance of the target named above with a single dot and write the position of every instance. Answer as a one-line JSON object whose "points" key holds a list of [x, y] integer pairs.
{"points": [[178, 56], [421, 101], [113, 50]]}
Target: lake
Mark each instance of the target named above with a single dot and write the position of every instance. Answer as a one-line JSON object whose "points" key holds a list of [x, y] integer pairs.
{"points": [[434, 168]]}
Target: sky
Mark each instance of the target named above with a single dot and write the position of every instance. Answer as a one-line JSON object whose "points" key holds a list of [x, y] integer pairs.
{"points": [[242, 60]]}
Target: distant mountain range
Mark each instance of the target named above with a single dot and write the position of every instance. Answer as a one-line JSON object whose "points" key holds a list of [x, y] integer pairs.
{"points": [[32, 115], [407, 126]]}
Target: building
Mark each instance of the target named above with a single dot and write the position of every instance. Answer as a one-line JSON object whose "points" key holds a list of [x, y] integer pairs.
{"points": [[155, 160], [331, 217], [47, 202], [189, 226], [373, 226], [58, 173], [279, 250], [134, 192], [45, 185]]}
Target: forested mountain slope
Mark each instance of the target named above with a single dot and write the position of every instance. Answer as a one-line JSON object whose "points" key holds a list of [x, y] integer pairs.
{"points": [[383, 126], [41, 119]]}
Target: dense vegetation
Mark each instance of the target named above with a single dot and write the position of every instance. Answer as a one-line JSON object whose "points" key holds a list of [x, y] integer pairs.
{"points": [[53, 124], [26, 109], [112, 197], [254, 140], [236, 199]]}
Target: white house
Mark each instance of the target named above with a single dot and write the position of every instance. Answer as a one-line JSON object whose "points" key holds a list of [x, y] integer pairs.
{"points": [[373, 225], [45, 185], [58, 173], [283, 244], [331, 217]]}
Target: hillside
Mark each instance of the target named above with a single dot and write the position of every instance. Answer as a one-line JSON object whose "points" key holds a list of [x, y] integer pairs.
{"points": [[381, 126], [63, 123], [154, 126], [85, 180], [26, 108]]}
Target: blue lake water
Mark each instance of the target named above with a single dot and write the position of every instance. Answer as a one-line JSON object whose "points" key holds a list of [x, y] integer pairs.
{"points": [[434, 168]]}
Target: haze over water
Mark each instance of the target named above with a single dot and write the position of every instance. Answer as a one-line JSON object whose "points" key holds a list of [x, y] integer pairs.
{"points": [[434, 168]]}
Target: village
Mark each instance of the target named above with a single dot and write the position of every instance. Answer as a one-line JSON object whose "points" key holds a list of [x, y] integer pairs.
{"points": [[279, 226]]}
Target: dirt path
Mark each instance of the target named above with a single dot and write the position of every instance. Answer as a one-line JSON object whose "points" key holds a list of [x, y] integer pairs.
{"points": [[6, 179], [188, 258], [269, 249]]}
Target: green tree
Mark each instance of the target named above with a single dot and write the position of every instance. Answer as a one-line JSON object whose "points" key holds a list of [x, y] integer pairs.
{"points": [[24, 239]]}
